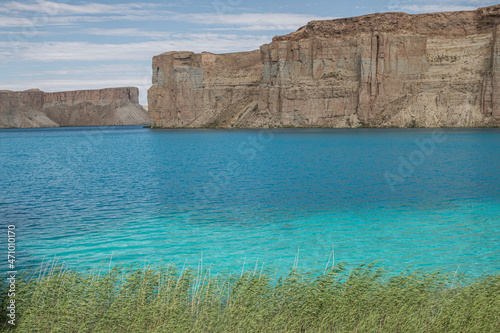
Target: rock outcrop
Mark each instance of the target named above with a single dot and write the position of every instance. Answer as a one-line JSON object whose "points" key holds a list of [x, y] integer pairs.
{"points": [[380, 70], [104, 107]]}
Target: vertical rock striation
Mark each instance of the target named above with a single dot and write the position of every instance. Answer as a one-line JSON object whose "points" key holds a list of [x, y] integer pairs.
{"points": [[104, 107], [199, 90], [380, 70]]}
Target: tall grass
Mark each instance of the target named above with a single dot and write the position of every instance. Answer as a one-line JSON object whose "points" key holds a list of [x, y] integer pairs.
{"points": [[365, 299]]}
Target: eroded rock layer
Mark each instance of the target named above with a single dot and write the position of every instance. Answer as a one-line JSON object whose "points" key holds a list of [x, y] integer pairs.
{"points": [[104, 107], [380, 70]]}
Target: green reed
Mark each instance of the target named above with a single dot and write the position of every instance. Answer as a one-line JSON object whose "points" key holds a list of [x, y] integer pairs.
{"points": [[165, 299]]}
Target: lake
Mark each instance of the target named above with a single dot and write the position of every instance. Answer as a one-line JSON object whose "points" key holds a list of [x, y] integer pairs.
{"points": [[239, 199]]}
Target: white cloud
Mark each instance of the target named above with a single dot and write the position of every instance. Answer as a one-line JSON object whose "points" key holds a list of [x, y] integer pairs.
{"points": [[38, 6], [84, 51], [93, 71], [253, 22], [434, 8], [92, 8], [37, 22], [480, 2], [27, 33], [127, 32], [47, 13]]}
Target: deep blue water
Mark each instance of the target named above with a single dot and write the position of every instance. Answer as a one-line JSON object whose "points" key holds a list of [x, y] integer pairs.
{"points": [[412, 198]]}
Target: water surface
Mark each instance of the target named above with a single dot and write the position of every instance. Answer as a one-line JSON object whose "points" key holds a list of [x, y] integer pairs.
{"points": [[406, 197]]}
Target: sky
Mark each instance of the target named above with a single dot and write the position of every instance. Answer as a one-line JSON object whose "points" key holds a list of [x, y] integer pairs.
{"points": [[71, 45]]}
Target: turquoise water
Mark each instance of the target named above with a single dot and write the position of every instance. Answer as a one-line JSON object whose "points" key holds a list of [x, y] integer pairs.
{"points": [[413, 198]]}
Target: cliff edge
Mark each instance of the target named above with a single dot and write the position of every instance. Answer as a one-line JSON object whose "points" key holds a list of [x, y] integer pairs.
{"points": [[379, 70], [103, 107]]}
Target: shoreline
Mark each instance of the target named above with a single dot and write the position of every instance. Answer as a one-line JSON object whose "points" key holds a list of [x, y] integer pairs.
{"points": [[169, 300]]}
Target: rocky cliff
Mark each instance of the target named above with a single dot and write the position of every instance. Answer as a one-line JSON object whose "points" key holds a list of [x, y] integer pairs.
{"points": [[380, 70], [104, 107]]}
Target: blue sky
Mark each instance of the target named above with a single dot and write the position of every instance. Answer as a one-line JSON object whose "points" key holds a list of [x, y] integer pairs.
{"points": [[70, 45]]}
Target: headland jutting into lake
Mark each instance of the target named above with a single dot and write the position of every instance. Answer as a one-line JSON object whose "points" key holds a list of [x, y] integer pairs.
{"points": [[379, 70]]}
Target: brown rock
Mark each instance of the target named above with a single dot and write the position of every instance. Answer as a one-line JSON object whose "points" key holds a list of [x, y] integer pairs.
{"points": [[104, 107], [380, 70]]}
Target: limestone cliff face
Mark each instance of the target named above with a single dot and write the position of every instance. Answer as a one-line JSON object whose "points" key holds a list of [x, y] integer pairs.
{"points": [[104, 107], [197, 90], [380, 70]]}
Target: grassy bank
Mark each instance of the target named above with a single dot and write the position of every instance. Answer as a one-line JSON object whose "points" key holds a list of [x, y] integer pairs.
{"points": [[365, 299]]}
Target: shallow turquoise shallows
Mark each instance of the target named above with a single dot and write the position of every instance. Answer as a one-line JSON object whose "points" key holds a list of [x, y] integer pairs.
{"points": [[412, 198]]}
